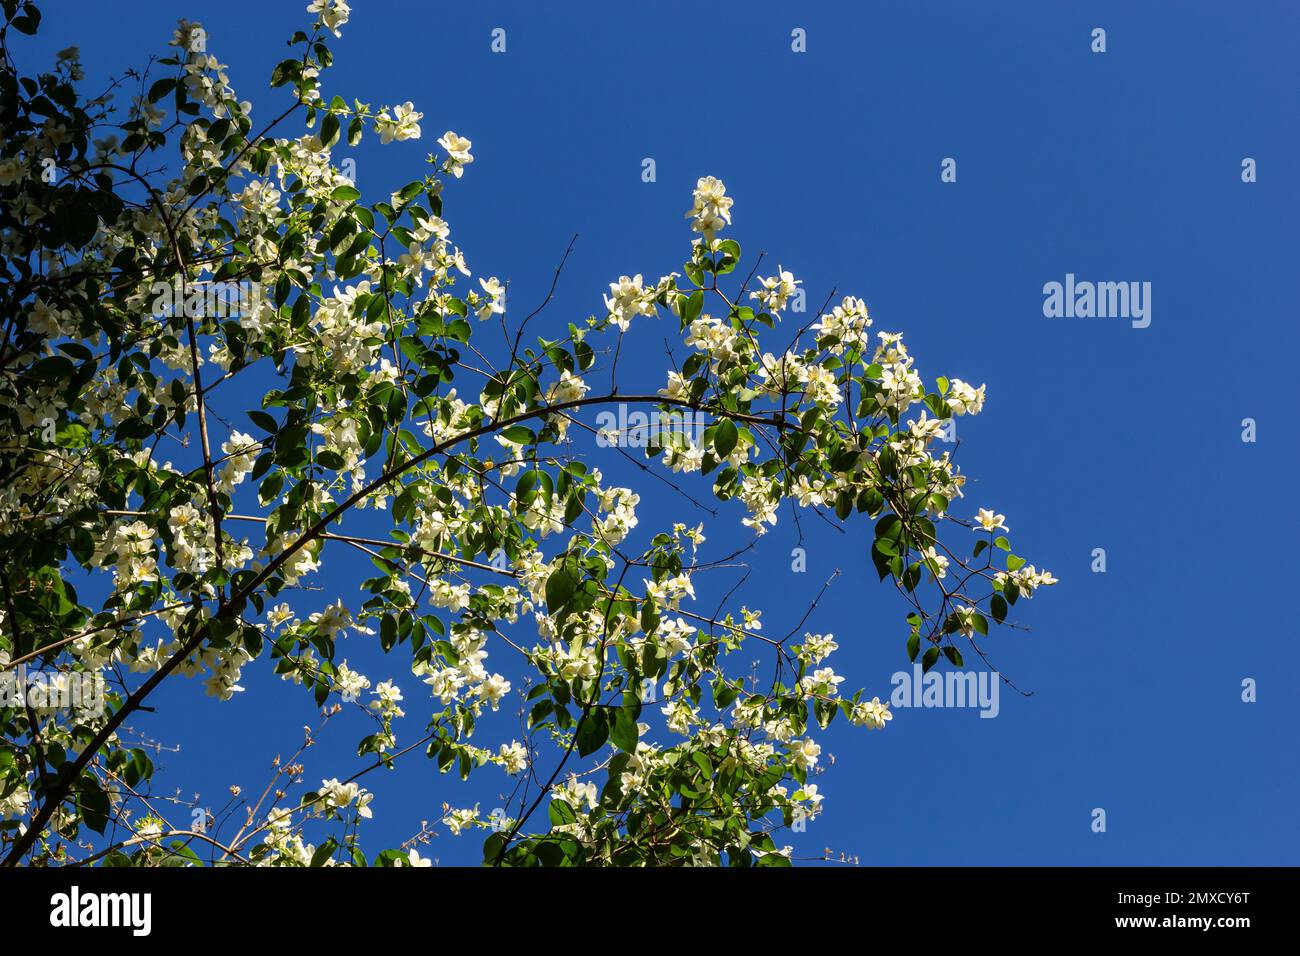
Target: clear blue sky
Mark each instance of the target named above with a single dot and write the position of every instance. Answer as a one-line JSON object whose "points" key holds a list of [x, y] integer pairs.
{"points": [[1117, 166]]}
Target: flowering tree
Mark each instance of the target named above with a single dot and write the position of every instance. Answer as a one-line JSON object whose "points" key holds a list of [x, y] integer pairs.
{"points": [[164, 261]]}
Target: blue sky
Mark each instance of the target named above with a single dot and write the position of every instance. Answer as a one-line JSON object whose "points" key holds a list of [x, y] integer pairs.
{"points": [[1114, 167]]}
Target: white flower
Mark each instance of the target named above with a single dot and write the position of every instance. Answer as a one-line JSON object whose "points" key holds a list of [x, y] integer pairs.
{"points": [[678, 388], [458, 154], [809, 793], [819, 646], [333, 621], [776, 290], [404, 124], [336, 796], [495, 303], [279, 614], [11, 170], [457, 820], [629, 298], [493, 689], [965, 400], [846, 323], [990, 521], [805, 753], [14, 806], [513, 757], [937, 563], [711, 209], [680, 715], [871, 714], [388, 694], [824, 677], [1026, 579], [333, 14], [349, 683], [576, 793], [964, 618], [446, 683], [241, 451], [150, 828]]}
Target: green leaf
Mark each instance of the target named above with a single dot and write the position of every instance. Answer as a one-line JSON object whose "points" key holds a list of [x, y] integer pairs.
{"points": [[264, 421], [387, 632], [541, 710], [324, 852], [844, 503], [559, 588], [329, 129], [28, 22], [625, 733], [161, 89], [518, 434], [330, 459], [730, 255], [692, 306], [593, 733], [560, 813], [493, 846], [725, 437], [92, 801]]}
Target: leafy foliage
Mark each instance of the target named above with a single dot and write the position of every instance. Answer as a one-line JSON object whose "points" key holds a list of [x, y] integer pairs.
{"points": [[173, 258]]}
